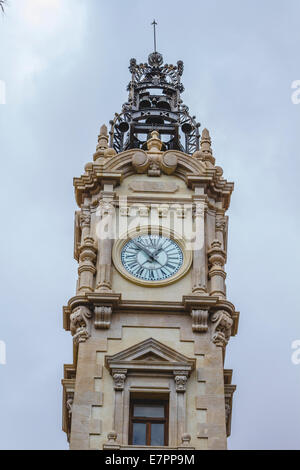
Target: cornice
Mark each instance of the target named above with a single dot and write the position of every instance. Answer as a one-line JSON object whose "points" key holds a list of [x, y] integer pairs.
{"points": [[114, 169]]}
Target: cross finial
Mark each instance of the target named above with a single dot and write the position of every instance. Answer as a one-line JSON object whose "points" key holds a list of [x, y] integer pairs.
{"points": [[154, 24]]}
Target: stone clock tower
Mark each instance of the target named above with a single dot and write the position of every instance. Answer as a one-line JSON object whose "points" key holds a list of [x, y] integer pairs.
{"points": [[150, 319]]}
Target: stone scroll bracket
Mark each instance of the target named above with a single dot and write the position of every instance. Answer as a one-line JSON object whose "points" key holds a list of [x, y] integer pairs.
{"points": [[222, 323], [200, 321], [102, 317], [80, 324]]}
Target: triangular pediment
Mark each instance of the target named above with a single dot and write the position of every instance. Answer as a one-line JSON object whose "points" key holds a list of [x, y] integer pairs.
{"points": [[150, 352]]}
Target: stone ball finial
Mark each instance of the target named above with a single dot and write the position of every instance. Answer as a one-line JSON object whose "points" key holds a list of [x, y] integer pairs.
{"points": [[155, 59]]}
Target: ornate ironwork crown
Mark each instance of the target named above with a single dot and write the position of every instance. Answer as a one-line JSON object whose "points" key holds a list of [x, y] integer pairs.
{"points": [[155, 103]]}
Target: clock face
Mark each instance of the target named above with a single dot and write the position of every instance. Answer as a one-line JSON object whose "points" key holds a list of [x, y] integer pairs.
{"points": [[152, 257]]}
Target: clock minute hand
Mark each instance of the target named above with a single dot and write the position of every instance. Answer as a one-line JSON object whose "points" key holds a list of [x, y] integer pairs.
{"points": [[158, 249], [143, 248]]}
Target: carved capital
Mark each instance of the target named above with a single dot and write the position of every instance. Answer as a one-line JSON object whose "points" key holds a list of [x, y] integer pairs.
{"points": [[80, 324], [85, 219], [119, 378], [186, 440], [199, 210], [222, 328], [112, 437], [105, 208], [103, 317], [180, 378], [200, 318], [216, 256]]}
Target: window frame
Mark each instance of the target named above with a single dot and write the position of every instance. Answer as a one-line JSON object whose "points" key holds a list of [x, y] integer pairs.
{"points": [[148, 420]]}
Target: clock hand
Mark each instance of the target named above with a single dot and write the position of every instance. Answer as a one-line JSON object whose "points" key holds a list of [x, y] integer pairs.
{"points": [[143, 248], [158, 249]]}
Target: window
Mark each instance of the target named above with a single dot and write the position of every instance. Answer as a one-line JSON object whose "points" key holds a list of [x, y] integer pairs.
{"points": [[148, 425]]}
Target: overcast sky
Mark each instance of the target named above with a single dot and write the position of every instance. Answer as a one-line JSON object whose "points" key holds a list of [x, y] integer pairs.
{"points": [[65, 66]]}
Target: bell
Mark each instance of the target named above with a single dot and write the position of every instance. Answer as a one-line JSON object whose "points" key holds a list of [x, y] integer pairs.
{"points": [[123, 126], [145, 103], [186, 128], [163, 103]]}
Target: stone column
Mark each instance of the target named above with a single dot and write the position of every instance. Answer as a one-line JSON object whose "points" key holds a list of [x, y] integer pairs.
{"points": [[217, 259], [199, 255], [105, 234], [85, 222], [220, 227], [86, 270], [180, 378], [119, 378], [87, 253]]}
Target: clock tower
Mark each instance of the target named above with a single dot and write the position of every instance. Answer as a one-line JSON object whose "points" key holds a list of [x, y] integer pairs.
{"points": [[150, 319]]}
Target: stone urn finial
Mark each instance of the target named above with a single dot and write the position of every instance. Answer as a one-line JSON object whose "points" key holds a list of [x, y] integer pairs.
{"points": [[154, 144], [102, 149]]}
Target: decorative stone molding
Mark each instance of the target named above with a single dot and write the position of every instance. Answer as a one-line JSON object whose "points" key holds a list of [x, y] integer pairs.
{"points": [[180, 381], [119, 377], [200, 320], [163, 210], [102, 317], [222, 328], [150, 362], [80, 324]]}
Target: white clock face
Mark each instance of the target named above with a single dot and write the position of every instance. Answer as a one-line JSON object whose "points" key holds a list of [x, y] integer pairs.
{"points": [[152, 257]]}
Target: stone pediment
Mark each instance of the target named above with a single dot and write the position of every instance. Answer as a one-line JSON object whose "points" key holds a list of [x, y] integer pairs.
{"points": [[150, 353]]}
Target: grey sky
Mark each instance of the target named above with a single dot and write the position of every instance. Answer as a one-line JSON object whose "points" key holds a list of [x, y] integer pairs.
{"points": [[65, 65]]}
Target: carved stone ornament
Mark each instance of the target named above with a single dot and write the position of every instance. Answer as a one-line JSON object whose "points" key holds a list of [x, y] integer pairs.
{"points": [[103, 317], [105, 208], [199, 210], [200, 318], [85, 219], [112, 437], [154, 161], [222, 328], [79, 324], [119, 377], [227, 410], [180, 381], [220, 224], [69, 404], [186, 440]]}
